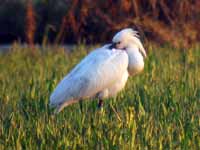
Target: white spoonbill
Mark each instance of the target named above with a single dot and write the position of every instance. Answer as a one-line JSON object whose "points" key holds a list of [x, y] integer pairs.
{"points": [[103, 72]]}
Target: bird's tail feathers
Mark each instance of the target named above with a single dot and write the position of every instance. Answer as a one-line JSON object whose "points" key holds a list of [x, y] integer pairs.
{"points": [[60, 106]]}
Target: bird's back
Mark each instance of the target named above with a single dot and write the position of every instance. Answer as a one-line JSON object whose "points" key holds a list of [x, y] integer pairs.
{"points": [[100, 69]]}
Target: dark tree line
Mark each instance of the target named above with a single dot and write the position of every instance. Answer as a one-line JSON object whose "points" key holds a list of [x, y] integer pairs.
{"points": [[72, 21]]}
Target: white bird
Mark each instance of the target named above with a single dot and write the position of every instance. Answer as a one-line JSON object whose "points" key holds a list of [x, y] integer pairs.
{"points": [[103, 73]]}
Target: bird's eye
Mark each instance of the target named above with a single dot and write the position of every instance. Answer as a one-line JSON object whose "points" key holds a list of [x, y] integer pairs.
{"points": [[124, 48]]}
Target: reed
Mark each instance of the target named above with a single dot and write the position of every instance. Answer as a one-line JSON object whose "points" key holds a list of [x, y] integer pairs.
{"points": [[30, 24]]}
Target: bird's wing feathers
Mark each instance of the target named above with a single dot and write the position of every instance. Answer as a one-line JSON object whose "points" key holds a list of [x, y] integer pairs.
{"points": [[100, 69]]}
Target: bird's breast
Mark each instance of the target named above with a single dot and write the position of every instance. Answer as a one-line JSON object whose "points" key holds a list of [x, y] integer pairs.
{"points": [[136, 62]]}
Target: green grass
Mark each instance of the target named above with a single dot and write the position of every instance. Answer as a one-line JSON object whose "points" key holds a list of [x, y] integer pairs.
{"points": [[158, 109]]}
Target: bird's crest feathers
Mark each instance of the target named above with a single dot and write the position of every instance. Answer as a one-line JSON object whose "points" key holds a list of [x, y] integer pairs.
{"points": [[124, 33]]}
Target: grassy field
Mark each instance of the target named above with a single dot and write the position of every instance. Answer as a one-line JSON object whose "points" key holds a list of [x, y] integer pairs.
{"points": [[158, 109]]}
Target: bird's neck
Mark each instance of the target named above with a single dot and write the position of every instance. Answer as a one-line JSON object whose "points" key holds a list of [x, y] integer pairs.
{"points": [[136, 47], [132, 47]]}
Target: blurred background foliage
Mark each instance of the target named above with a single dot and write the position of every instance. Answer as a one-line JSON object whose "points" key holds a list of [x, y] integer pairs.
{"points": [[71, 21]]}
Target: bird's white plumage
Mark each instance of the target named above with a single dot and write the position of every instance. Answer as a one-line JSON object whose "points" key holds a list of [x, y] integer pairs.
{"points": [[136, 61], [103, 73], [100, 70], [118, 86]]}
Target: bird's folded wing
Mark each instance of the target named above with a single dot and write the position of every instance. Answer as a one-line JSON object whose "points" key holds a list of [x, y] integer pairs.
{"points": [[100, 69]]}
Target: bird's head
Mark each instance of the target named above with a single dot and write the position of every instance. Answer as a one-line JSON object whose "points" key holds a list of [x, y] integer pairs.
{"points": [[127, 39]]}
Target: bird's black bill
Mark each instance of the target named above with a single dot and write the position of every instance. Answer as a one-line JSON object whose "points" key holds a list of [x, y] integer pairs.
{"points": [[113, 45]]}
